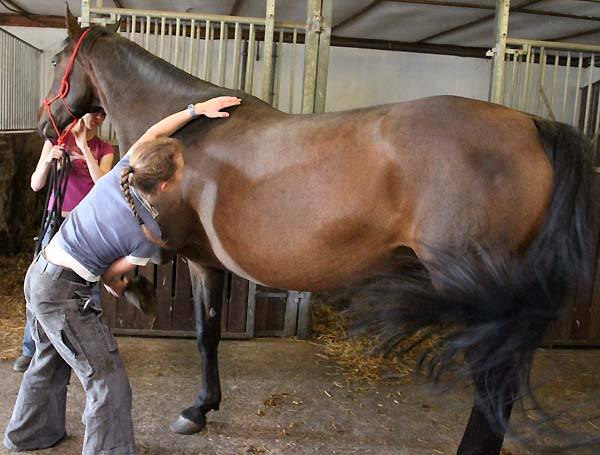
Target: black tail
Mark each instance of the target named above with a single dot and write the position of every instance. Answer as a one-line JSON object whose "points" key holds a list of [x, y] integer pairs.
{"points": [[491, 311]]}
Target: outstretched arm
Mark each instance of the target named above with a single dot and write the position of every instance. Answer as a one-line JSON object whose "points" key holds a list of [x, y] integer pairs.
{"points": [[167, 126]]}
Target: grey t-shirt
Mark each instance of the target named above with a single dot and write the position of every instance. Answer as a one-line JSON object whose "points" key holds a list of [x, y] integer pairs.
{"points": [[102, 228]]}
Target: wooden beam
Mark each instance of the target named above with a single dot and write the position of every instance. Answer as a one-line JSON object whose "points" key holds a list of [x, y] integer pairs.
{"points": [[475, 22], [356, 15], [576, 35], [32, 20], [235, 9], [422, 48]]}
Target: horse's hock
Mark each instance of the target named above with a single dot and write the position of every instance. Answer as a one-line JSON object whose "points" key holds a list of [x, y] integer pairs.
{"points": [[20, 208]]}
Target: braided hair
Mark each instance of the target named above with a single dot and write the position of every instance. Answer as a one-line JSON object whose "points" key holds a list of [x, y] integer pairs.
{"points": [[151, 163]]}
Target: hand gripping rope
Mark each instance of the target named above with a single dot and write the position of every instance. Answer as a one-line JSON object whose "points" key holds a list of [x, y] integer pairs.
{"points": [[59, 175]]}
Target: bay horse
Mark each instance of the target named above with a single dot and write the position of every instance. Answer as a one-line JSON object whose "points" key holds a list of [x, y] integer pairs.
{"points": [[493, 203]]}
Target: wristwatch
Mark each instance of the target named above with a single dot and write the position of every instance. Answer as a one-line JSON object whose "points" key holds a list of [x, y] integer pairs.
{"points": [[192, 111]]}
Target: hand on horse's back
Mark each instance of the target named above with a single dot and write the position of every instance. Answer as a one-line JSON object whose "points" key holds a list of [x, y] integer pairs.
{"points": [[212, 108]]}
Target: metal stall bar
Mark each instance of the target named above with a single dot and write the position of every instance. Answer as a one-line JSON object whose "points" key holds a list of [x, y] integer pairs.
{"points": [[323, 60], [293, 72], [278, 64], [267, 89], [207, 42], [190, 56], [235, 73], [177, 34], [250, 60], [554, 75], [588, 101], [530, 57], [540, 85], [578, 84], [563, 112], [499, 51], [222, 71]]}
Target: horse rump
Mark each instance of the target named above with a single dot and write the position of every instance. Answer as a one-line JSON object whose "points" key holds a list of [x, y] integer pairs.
{"points": [[489, 310]]}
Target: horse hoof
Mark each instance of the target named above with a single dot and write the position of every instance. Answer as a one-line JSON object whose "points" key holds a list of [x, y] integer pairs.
{"points": [[181, 425]]}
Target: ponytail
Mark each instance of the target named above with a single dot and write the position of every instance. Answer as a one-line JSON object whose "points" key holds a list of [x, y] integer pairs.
{"points": [[127, 177]]}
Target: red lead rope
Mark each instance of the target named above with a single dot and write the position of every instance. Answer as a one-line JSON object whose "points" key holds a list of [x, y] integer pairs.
{"points": [[62, 93]]}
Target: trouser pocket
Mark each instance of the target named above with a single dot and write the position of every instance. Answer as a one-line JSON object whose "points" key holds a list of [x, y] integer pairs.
{"points": [[72, 332]]}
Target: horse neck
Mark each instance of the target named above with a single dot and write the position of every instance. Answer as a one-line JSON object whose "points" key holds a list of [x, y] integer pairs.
{"points": [[138, 89]]}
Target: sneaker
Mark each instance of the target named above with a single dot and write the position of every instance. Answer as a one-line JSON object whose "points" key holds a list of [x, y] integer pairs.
{"points": [[21, 363]]}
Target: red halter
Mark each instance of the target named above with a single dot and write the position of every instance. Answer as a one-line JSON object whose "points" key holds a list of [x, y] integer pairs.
{"points": [[62, 93]]}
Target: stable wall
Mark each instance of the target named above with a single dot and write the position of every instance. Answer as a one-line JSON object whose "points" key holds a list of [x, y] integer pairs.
{"points": [[20, 207], [356, 78]]}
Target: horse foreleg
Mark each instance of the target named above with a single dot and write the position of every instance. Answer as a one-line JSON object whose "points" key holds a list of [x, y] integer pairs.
{"points": [[207, 290], [481, 436]]}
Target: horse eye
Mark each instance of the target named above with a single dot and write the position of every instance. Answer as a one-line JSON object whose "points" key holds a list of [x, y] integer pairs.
{"points": [[53, 62]]}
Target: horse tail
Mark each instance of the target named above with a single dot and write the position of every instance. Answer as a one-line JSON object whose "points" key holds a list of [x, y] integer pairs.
{"points": [[489, 311]]}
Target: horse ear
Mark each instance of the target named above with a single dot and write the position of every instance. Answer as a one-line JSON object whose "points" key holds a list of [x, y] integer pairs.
{"points": [[115, 27], [73, 27]]}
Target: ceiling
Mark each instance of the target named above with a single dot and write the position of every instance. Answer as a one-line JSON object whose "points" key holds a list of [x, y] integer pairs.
{"points": [[428, 24]]}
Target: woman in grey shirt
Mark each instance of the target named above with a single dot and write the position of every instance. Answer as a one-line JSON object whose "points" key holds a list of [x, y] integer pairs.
{"points": [[108, 234]]}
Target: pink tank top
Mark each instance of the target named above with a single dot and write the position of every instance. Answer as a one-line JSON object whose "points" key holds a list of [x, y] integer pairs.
{"points": [[80, 181]]}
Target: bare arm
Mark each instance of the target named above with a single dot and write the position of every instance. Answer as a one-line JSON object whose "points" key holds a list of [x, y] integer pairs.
{"points": [[96, 169], [40, 175], [167, 126]]}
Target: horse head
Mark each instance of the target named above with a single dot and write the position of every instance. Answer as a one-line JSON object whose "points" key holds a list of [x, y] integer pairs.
{"points": [[73, 93]]}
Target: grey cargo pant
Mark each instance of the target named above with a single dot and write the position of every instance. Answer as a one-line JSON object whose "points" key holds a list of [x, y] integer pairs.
{"points": [[68, 335]]}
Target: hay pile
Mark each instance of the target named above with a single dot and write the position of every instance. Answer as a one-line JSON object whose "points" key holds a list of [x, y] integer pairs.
{"points": [[12, 304], [355, 357]]}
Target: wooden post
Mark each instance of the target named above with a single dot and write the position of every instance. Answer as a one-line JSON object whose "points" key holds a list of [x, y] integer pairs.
{"points": [[501, 32]]}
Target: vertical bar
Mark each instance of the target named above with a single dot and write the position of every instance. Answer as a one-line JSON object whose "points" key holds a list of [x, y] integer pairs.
{"points": [[251, 309], [191, 49], [197, 53], [133, 27], [293, 72], [527, 88], [161, 52], [563, 114], [588, 100], [541, 77], [554, 76], [267, 88], [250, 64], [498, 66], [509, 97], [170, 35], [278, 64], [311, 54], [207, 42], [577, 91], [147, 41], [517, 80], [155, 37], [85, 13], [177, 33], [235, 78], [323, 58], [597, 116], [222, 54]]}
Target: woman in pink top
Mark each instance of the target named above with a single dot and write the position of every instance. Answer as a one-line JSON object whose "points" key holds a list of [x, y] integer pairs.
{"points": [[91, 158]]}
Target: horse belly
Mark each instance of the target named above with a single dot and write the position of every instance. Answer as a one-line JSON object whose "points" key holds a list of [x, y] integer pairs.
{"points": [[314, 233]]}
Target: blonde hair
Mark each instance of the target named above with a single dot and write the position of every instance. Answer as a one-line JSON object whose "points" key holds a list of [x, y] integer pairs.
{"points": [[151, 163]]}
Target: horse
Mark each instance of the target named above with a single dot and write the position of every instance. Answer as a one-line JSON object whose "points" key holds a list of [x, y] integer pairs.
{"points": [[491, 201]]}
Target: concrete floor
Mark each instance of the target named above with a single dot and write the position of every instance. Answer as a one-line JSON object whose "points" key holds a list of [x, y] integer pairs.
{"points": [[313, 410]]}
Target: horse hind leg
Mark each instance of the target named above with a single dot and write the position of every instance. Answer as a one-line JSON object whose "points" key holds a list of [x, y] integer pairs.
{"points": [[484, 434], [207, 291]]}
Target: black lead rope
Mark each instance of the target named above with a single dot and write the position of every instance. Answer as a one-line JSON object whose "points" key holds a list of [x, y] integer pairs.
{"points": [[59, 177]]}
